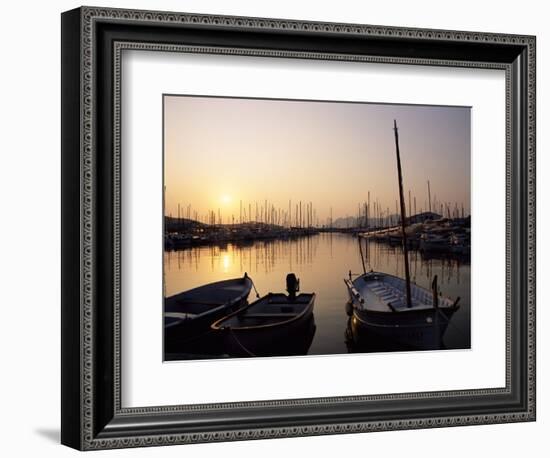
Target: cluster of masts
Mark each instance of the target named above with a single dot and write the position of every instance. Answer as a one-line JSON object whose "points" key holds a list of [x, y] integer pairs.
{"points": [[303, 215], [376, 215]]}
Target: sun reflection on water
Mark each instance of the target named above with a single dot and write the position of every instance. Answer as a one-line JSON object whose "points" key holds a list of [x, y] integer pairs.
{"points": [[321, 262], [225, 262]]}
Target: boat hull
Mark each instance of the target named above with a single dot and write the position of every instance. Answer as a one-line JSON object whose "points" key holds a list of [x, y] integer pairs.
{"points": [[418, 331], [437, 246], [274, 325], [292, 340], [179, 332], [386, 329]]}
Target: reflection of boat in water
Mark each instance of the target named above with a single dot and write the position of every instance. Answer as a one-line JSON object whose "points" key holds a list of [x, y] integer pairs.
{"points": [[274, 325], [394, 238], [460, 243], [445, 256], [391, 310], [191, 312], [379, 312], [434, 241]]}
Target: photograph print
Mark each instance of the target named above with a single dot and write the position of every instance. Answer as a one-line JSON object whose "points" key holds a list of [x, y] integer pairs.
{"points": [[305, 227]]}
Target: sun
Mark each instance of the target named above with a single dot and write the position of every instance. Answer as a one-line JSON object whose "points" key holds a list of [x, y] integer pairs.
{"points": [[225, 198]]}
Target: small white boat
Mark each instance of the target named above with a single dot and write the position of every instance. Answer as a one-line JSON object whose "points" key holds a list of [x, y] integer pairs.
{"points": [[380, 312]]}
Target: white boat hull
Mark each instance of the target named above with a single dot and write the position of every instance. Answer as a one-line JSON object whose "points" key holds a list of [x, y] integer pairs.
{"points": [[421, 333], [396, 328]]}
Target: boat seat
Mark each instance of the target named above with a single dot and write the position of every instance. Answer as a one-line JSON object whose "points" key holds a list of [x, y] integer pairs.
{"points": [[380, 291], [181, 315], [380, 288], [196, 301], [268, 315]]}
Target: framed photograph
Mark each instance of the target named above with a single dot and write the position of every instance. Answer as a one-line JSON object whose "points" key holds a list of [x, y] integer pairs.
{"points": [[277, 228], [308, 259]]}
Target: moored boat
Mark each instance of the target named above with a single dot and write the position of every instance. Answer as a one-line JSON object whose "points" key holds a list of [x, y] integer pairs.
{"points": [[434, 241], [395, 237], [380, 312], [460, 243], [275, 325], [189, 313], [392, 310]]}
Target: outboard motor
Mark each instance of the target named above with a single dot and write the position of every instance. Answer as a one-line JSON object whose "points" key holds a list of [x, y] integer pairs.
{"points": [[292, 286]]}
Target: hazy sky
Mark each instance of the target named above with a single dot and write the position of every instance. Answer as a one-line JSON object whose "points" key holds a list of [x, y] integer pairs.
{"points": [[219, 151]]}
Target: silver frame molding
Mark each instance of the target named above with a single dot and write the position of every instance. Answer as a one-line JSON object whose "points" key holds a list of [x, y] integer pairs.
{"points": [[93, 40]]}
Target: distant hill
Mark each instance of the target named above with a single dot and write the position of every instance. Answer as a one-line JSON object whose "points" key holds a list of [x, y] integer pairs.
{"points": [[171, 223]]}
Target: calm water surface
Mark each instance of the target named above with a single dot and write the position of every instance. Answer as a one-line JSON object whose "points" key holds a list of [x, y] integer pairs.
{"points": [[321, 262]]}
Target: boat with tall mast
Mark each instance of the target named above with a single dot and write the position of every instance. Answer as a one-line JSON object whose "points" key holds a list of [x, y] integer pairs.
{"points": [[386, 308]]}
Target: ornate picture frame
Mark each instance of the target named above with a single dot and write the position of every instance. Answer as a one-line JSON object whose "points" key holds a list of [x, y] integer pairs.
{"points": [[93, 416]]}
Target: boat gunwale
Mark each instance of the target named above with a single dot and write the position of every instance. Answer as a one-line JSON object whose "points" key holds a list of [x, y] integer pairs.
{"points": [[213, 310], [361, 319], [407, 311], [391, 310], [216, 325], [246, 279]]}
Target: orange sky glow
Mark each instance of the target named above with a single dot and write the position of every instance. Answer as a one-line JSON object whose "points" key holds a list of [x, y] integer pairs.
{"points": [[223, 155]]}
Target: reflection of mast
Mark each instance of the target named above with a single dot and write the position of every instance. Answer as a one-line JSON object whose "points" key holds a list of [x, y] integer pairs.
{"points": [[402, 201], [410, 213], [415, 263]]}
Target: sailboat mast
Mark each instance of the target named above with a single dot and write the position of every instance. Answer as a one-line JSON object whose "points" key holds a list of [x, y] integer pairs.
{"points": [[403, 215], [429, 198]]}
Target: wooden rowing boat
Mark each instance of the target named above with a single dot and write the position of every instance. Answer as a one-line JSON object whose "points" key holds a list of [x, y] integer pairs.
{"points": [[274, 325], [380, 312], [391, 310], [190, 313]]}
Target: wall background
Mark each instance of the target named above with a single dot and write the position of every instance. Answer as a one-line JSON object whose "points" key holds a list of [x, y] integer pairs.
{"points": [[30, 214]]}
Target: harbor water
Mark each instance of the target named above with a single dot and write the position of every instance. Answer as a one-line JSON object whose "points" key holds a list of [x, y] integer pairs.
{"points": [[321, 262]]}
